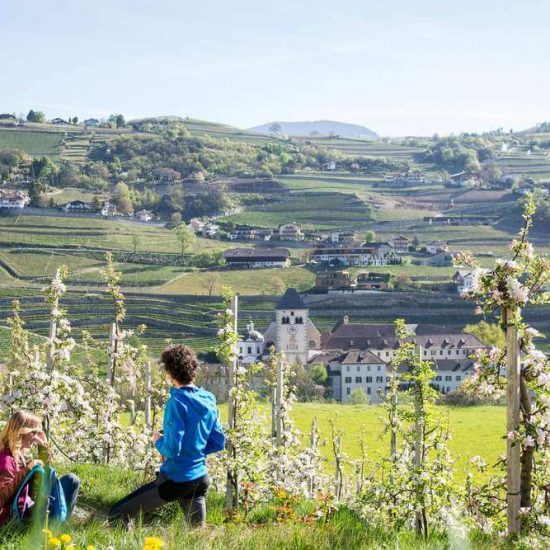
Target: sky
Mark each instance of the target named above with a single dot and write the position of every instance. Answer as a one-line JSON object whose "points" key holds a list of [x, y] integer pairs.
{"points": [[399, 67]]}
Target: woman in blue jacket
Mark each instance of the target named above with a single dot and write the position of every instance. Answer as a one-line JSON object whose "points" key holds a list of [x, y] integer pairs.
{"points": [[191, 431]]}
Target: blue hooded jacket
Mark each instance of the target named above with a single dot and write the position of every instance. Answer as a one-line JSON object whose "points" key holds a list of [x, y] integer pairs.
{"points": [[191, 431]]}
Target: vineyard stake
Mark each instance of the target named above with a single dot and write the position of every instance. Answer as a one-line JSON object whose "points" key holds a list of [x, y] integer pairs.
{"points": [[513, 449]]}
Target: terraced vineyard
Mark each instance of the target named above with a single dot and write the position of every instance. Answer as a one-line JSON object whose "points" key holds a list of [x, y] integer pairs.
{"points": [[317, 210]]}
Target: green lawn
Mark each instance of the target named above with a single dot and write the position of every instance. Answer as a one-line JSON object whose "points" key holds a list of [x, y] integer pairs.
{"points": [[248, 282], [94, 232], [35, 143]]}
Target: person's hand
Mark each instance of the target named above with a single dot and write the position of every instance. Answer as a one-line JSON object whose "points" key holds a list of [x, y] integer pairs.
{"points": [[155, 437], [39, 437], [44, 454]]}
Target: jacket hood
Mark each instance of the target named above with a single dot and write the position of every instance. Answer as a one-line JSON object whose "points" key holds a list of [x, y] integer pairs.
{"points": [[201, 400]]}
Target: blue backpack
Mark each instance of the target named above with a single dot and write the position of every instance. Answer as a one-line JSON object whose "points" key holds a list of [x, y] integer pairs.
{"points": [[57, 505]]}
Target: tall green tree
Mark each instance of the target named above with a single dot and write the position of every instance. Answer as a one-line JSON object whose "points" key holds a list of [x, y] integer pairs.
{"points": [[184, 236], [36, 116]]}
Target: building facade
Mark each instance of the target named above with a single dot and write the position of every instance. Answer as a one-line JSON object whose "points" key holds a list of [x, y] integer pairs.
{"points": [[256, 258]]}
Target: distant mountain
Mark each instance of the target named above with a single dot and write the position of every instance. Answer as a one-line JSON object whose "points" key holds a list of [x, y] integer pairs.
{"points": [[316, 128]]}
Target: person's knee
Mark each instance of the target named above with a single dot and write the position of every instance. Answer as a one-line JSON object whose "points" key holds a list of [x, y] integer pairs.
{"points": [[72, 479]]}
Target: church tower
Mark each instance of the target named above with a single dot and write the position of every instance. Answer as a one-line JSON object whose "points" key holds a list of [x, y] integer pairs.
{"points": [[292, 327]]}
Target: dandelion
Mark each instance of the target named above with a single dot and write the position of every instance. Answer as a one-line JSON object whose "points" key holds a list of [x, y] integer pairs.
{"points": [[152, 543], [54, 542], [65, 539]]}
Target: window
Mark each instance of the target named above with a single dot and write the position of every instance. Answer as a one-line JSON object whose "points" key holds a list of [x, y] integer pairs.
{"points": [[458, 378], [379, 368], [249, 350], [387, 378], [348, 379], [450, 351], [448, 378], [358, 368], [358, 379], [387, 355], [299, 320], [348, 391], [368, 368], [368, 379], [379, 379], [368, 390], [433, 352], [348, 368], [440, 352], [438, 378], [285, 321]]}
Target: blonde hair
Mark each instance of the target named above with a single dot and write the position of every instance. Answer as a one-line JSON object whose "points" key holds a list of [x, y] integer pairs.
{"points": [[19, 424]]}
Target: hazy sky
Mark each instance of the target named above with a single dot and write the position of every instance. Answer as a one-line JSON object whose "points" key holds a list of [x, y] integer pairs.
{"points": [[397, 66]]}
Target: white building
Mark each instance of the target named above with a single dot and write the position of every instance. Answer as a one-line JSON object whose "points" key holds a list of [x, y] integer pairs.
{"points": [[360, 355], [401, 244], [466, 279], [13, 199], [77, 206], [251, 347], [290, 232], [360, 256], [144, 215], [255, 258]]}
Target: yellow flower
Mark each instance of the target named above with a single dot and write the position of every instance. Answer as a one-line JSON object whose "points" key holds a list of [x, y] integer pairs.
{"points": [[55, 542], [152, 543], [71, 547], [90, 547], [65, 539]]}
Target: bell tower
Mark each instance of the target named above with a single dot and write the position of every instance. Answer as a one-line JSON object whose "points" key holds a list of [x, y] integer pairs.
{"points": [[292, 327]]}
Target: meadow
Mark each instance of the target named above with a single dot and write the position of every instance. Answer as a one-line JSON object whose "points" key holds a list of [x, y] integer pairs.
{"points": [[32, 142]]}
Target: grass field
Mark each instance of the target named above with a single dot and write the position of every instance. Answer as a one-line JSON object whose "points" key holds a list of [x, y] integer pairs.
{"points": [[34, 143], [474, 431], [103, 486], [94, 232], [316, 210], [248, 282]]}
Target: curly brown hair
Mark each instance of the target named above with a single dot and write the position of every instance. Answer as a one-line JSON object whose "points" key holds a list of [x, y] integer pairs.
{"points": [[181, 363]]}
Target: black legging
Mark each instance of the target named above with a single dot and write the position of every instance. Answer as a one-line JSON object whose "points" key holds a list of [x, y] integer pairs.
{"points": [[191, 495]]}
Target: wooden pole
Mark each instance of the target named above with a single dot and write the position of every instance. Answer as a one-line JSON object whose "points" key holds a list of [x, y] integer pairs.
{"points": [[513, 448], [279, 403], [232, 483], [112, 350], [148, 388], [313, 442], [51, 342]]}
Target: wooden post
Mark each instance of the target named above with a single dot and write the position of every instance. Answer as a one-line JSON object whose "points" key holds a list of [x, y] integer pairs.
{"points": [[279, 402], [232, 483], [513, 448], [274, 412], [338, 476], [313, 443], [393, 422], [112, 350], [148, 388], [51, 342]]}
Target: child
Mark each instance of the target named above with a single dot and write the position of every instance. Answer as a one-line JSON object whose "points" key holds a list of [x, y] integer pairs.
{"points": [[21, 432], [191, 431]]}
